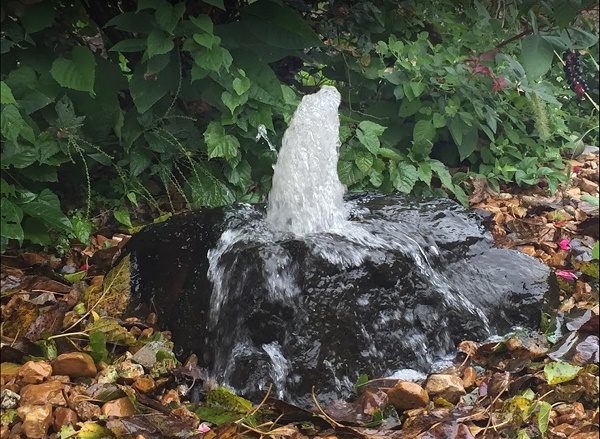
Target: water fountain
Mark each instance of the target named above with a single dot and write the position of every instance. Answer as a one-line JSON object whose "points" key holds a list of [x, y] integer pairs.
{"points": [[317, 288]]}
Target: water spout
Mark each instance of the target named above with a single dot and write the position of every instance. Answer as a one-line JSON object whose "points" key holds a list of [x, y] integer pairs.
{"points": [[307, 195]]}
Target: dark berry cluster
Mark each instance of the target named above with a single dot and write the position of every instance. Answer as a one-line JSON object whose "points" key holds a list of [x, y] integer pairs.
{"points": [[574, 73]]}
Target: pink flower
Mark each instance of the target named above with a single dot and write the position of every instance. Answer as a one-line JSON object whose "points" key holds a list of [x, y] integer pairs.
{"points": [[483, 70], [564, 244], [84, 267], [203, 428], [566, 275]]}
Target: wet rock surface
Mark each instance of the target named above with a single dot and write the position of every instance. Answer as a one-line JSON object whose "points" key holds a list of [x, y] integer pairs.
{"points": [[404, 306]]}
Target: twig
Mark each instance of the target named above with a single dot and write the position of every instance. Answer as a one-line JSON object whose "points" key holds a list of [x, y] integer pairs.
{"points": [[262, 402], [325, 415]]}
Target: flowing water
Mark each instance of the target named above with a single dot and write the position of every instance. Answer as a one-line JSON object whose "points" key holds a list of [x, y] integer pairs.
{"points": [[306, 202]]}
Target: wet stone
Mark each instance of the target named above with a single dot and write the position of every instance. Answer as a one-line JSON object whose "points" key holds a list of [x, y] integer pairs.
{"points": [[407, 396], [50, 392], [36, 420], [448, 387], [74, 364], [118, 408], [64, 416], [259, 307], [34, 372]]}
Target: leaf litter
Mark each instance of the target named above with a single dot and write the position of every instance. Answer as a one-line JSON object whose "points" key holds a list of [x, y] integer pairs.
{"points": [[66, 315]]}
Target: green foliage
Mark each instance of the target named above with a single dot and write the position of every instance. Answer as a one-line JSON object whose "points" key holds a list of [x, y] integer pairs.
{"points": [[155, 107], [559, 372]]}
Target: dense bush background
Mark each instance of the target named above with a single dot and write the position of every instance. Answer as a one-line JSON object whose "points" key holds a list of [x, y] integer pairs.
{"points": [[142, 108]]}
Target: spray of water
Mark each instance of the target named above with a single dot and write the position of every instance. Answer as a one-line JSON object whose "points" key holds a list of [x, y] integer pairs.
{"points": [[306, 202]]}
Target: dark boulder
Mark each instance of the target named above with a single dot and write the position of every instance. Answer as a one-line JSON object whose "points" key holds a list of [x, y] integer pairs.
{"points": [[302, 312]]}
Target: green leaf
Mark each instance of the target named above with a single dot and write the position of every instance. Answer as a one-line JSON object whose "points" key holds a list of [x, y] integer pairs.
{"points": [[470, 137], [146, 91], [544, 417], [82, 229], [536, 56], [368, 134], [232, 101], [6, 96], [73, 278], [349, 173], [559, 372], [404, 177], [168, 16], [241, 85], [77, 73], [220, 144], [97, 342], [596, 251], [206, 40], [425, 172], [11, 123], [10, 220], [121, 214], [439, 121], [203, 22], [423, 134], [46, 208], [129, 45], [207, 190], [364, 160], [158, 42], [49, 349], [442, 172]]}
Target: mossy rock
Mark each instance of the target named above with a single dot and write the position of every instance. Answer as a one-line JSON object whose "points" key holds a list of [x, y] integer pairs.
{"points": [[114, 294]]}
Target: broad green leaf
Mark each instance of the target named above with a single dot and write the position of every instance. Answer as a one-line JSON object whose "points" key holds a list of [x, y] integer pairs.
{"points": [[536, 56], [6, 96], [82, 229], [206, 40], [97, 342], [596, 251], [470, 138], [220, 144], [11, 122], [423, 134], [232, 101], [559, 372], [168, 16], [46, 208], [442, 172], [210, 59], [241, 85], [203, 22], [425, 172], [146, 91], [543, 417], [595, 201], [134, 22], [364, 160], [389, 154], [121, 214], [206, 190], [349, 173], [368, 134], [439, 121], [78, 73], [158, 43], [404, 177], [456, 128], [10, 220]]}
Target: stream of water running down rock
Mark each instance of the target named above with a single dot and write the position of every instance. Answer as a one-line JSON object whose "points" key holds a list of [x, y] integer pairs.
{"points": [[307, 202]]}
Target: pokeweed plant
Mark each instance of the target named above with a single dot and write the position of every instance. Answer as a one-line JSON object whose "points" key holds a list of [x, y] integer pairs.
{"points": [[156, 105]]}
